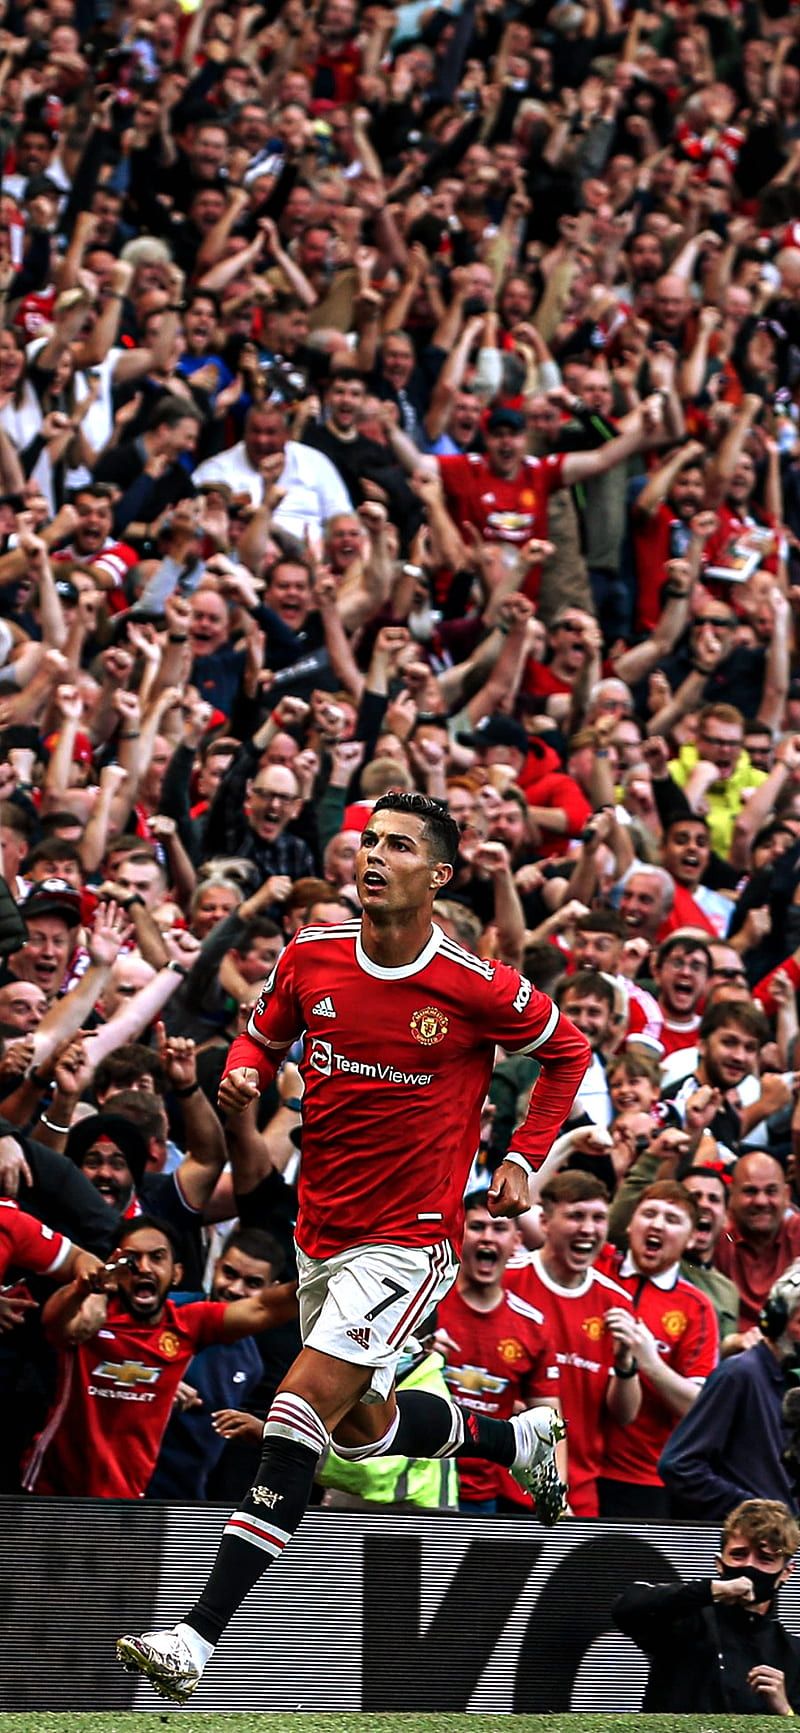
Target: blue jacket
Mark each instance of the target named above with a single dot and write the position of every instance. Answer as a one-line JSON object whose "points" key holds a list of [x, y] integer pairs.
{"points": [[729, 1445]]}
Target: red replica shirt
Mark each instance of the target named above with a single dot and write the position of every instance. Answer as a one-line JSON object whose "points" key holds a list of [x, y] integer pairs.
{"points": [[114, 1399], [502, 511], [684, 1324], [495, 1360], [115, 560], [396, 1064], [575, 1320], [26, 1243], [656, 539]]}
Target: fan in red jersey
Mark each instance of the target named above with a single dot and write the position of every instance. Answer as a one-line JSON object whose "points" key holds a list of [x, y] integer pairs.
{"points": [[399, 1026], [598, 1371], [124, 1347], [497, 1350], [674, 1339]]}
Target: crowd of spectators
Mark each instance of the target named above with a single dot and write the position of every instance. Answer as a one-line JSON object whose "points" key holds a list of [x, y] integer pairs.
{"points": [[404, 397]]}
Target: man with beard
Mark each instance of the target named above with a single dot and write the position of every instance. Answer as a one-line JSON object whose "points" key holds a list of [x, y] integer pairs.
{"points": [[311, 489], [368, 469], [681, 969], [498, 1352], [112, 1153], [249, 815], [599, 1376], [725, 1093], [674, 1341], [716, 1644], [115, 1394], [763, 1233]]}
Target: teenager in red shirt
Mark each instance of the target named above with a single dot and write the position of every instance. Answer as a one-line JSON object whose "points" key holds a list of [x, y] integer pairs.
{"points": [[674, 1339], [498, 1353]]}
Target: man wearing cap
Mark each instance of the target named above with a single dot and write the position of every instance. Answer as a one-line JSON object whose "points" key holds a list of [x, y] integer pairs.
{"points": [[504, 493], [52, 916], [556, 806]]}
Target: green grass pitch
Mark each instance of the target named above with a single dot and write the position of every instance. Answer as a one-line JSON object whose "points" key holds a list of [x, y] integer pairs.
{"points": [[192, 1722]]}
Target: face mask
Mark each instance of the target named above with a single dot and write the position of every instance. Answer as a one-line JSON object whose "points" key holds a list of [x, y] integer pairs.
{"points": [[765, 1583]]}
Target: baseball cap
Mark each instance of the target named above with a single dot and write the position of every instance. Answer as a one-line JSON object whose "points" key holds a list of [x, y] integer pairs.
{"points": [[496, 731], [53, 897], [498, 418]]}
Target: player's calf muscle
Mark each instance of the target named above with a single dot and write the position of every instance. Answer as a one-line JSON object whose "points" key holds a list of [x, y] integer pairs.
{"points": [[331, 1387]]}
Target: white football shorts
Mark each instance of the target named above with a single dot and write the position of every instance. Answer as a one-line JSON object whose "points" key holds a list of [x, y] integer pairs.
{"points": [[363, 1304]]}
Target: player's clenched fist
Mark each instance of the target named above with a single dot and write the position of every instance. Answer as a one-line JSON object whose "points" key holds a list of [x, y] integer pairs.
{"points": [[238, 1089], [509, 1191]]}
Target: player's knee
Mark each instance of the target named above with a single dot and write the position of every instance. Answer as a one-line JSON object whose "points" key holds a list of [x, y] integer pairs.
{"points": [[370, 1447]]}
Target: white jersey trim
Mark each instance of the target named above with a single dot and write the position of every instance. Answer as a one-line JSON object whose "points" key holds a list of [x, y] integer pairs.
{"points": [[456, 954], [525, 1309], [345, 931], [550, 1025], [407, 970]]}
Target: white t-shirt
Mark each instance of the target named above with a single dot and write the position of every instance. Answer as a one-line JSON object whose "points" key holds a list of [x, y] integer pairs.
{"points": [[313, 488]]}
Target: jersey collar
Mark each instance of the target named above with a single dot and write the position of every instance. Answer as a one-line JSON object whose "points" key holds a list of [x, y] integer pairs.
{"points": [[666, 1279], [421, 962]]}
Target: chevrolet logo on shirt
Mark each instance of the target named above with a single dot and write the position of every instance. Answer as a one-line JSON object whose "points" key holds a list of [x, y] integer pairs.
{"points": [[127, 1372]]}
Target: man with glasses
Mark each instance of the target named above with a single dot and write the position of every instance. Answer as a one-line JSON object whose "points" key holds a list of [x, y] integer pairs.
{"points": [[716, 773], [249, 816]]}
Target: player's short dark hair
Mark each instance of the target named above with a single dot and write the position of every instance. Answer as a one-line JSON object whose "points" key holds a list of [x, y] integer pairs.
{"points": [[439, 829], [574, 1186], [256, 1243], [159, 1225]]}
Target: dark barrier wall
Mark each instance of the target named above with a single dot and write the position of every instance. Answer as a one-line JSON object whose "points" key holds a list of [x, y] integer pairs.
{"points": [[376, 1613]]}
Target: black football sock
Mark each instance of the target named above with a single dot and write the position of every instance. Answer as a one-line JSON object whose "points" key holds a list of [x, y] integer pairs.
{"points": [[256, 1534], [432, 1426]]}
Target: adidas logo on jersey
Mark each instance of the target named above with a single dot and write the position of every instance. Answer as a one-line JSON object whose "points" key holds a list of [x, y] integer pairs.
{"points": [[360, 1336], [323, 1008]]}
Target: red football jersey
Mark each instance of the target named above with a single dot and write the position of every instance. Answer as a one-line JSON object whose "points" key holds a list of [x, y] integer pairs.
{"points": [[114, 1399], [684, 1324], [495, 1360], [502, 511], [26, 1243], [396, 1065], [575, 1319]]}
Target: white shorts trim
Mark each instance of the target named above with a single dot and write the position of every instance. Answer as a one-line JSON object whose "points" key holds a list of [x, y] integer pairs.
{"points": [[363, 1304]]}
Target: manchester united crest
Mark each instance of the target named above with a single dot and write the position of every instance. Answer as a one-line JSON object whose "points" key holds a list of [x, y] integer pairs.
{"points": [[594, 1328], [674, 1324], [510, 1350], [429, 1026], [169, 1344]]}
